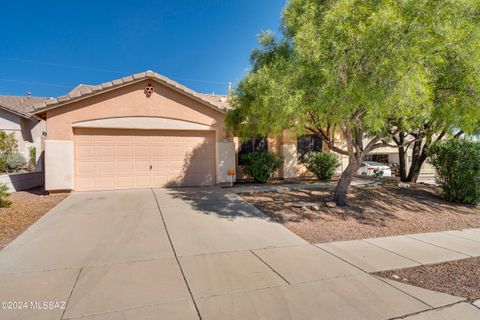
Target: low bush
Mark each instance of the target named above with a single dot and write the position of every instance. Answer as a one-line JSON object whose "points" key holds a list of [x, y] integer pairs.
{"points": [[322, 164], [457, 163], [8, 145], [260, 165], [4, 194], [15, 161], [32, 158]]}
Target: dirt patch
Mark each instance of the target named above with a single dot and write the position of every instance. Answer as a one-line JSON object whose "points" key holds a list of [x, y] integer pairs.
{"points": [[459, 278], [378, 211], [27, 207]]}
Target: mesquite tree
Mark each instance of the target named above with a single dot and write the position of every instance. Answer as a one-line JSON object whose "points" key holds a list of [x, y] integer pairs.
{"points": [[451, 54], [350, 71]]}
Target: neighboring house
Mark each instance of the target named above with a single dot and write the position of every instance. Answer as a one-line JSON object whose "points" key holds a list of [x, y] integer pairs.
{"points": [[16, 116], [146, 131]]}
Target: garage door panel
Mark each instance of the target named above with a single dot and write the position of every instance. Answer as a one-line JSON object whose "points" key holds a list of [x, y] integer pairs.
{"points": [[85, 167], [84, 138], [86, 151], [105, 138], [176, 151], [143, 181], [105, 182], [87, 183], [142, 151], [121, 139], [103, 151], [105, 167], [142, 166], [124, 151], [159, 167], [159, 150], [141, 138], [125, 181], [125, 166], [112, 158]]}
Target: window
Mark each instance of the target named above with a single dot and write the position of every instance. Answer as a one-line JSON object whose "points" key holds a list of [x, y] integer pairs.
{"points": [[259, 144], [308, 143], [382, 158]]}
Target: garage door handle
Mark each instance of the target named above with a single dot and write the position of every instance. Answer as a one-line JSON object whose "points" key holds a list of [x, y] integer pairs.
{"points": [[150, 167]]}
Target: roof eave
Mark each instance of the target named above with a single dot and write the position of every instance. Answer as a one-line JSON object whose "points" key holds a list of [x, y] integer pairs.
{"points": [[16, 112], [110, 86]]}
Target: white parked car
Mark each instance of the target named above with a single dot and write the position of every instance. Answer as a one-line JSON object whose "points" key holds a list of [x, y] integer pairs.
{"points": [[369, 168]]}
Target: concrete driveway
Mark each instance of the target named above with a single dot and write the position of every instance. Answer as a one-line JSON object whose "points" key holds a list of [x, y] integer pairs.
{"points": [[197, 253]]}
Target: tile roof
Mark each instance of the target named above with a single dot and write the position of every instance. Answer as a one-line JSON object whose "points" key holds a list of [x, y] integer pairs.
{"points": [[20, 105], [218, 99], [83, 91]]}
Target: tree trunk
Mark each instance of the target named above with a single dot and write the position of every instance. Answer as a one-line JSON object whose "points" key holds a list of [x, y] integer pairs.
{"points": [[402, 157], [341, 191], [419, 156]]}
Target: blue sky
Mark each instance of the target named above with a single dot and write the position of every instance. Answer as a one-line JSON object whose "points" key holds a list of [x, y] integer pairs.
{"points": [[48, 47]]}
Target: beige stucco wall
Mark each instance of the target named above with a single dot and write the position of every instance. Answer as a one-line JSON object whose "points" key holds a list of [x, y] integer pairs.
{"points": [[59, 165], [131, 101], [288, 150], [9, 121], [226, 156], [127, 102]]}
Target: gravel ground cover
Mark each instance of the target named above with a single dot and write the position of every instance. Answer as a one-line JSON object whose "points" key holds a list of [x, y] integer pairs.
{"points": [[459, 278], [27, 207], [378, 211]]}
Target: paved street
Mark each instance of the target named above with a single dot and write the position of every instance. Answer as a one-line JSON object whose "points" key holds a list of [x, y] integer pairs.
{"points": [[202, 253]]}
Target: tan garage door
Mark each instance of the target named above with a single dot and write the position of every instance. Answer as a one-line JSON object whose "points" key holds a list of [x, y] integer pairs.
{"points": [[107, 159]]}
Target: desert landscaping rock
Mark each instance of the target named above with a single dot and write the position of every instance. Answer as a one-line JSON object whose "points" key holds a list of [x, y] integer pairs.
{"points": [[456, 278], [377, 211], [27, 207], [330, 204], [404, 185]]}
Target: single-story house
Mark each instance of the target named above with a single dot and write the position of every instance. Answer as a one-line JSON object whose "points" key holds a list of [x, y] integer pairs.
{"points": [[16, 116], [140, 131], [146, 130]]}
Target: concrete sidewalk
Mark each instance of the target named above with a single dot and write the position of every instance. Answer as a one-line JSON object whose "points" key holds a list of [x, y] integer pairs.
{"points": [[203, 253], [389, 253]]}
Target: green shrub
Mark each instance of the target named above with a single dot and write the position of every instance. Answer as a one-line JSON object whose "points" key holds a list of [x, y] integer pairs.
{"points": [[4, 194], [15, 161], [8, 144], [322, 164], [457, 162], [260, 165], [32, 158]]}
